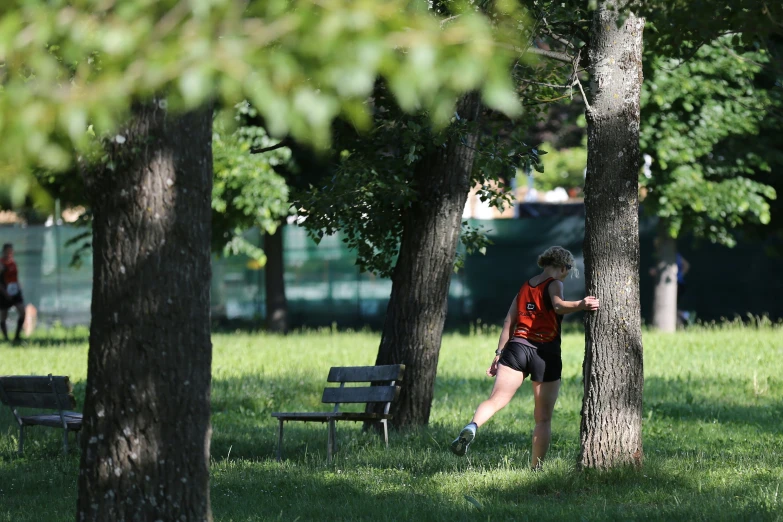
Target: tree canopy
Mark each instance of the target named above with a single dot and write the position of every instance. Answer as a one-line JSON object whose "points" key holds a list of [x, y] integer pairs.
{"points": [[72, 69], [246, 190], [702, 122]]}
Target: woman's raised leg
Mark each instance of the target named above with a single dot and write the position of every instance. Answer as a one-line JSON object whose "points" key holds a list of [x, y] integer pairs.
{"points": [[507, 382]]}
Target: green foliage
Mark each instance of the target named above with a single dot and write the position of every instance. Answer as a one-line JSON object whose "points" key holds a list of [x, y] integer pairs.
{"points": [[564, 168], [701, 123], [474, 239], [367, 187], [371, 182], [677, 28], [247, 192], [72, 68], [712, 438]]}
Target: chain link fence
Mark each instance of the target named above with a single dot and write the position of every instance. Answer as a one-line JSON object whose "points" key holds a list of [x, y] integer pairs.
{"points": [[324, 286]]}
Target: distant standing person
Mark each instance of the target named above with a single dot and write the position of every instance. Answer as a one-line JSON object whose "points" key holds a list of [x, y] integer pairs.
{"points": [[10, 291], [529, 345]]}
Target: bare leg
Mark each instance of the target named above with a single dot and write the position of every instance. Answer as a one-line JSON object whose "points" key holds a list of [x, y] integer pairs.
{"points": [[507, 382], [20, 320], [3, 318], [545, 395]]}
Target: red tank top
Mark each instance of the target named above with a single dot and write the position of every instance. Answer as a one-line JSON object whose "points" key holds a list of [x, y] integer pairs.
{"points": [[536, 319], [10, 272]]}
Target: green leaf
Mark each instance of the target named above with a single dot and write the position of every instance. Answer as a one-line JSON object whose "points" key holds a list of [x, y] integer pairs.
{"points": [[502, 97]]}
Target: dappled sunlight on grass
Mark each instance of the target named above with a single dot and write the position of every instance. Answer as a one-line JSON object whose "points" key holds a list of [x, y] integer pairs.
{"points": [[712, 436]]}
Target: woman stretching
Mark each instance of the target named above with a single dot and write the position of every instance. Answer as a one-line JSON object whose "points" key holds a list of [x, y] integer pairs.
{"points": [[530, 345]]}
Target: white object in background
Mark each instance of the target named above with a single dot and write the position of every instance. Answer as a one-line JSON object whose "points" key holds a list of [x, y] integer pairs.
{"points": [[646, 168], [557, 195], [483, 210]]}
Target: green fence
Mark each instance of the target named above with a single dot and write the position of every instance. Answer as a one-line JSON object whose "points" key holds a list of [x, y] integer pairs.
{"points": [[324, 286]]}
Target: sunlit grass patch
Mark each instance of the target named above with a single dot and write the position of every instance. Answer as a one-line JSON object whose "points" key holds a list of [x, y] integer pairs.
{"points": [[712, 436]]}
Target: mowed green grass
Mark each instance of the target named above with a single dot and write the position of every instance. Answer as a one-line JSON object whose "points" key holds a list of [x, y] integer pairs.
{"points": [[713, 436]]}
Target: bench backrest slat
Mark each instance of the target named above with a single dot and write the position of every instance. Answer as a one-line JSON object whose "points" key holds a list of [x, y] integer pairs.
{"points": [[36, 392], [39, 400], [361, 394], [389, 372], [35, 384]]}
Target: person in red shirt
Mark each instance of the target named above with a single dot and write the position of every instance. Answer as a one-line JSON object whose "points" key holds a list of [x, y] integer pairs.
{"points": [[10, 291], [529, 345]]}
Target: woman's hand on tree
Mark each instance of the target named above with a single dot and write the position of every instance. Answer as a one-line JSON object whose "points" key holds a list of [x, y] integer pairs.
{"points": [[589, 303]]}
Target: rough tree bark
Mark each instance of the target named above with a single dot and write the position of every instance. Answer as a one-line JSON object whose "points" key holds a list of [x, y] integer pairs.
{"points": [[612, 407], [274, 272], [665, 297], [145, 447], [417, 309]]}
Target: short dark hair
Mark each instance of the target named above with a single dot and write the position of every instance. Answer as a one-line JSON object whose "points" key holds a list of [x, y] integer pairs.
{"points": [[6, 246]]}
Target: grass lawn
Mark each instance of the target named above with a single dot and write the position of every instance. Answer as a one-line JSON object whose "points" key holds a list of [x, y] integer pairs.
{"points": [[713, 436]]}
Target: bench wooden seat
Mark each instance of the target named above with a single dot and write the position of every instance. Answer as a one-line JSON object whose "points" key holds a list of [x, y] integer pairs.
{"points": [[72, 419], [384, 389], [325, 416], [46, 393]]}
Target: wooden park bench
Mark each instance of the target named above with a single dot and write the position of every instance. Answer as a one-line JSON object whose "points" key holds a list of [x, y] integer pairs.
{"points": [[42, 393], [384, 389]]}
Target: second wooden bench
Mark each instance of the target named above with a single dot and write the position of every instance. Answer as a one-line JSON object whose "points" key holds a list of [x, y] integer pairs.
{"points": [[384, 389], [45, 393]]}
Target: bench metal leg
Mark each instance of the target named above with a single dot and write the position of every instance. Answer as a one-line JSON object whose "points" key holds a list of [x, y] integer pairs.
{"points": [[65, 442], [280, 441], [330, 442], [385, 431], [21, 439]]}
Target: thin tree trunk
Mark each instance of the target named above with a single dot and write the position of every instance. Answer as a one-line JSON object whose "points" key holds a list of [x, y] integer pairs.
{"points": [[417, 309], [611, 432], [665, 298], [145, 447], [274, 272]]}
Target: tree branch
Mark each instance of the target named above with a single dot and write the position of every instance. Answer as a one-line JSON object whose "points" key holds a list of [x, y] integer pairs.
{"points": [[554, 55], [547, 29], [260, 150], [584, 96], [544, 84], [449, 19]]}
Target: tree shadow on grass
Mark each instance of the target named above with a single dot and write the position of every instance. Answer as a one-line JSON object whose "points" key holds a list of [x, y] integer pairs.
{"points": [[653, 493], [409, 479], [308, 491], [242, 421], [54, 342], [736, 405], [78, 341], [243, 425]]}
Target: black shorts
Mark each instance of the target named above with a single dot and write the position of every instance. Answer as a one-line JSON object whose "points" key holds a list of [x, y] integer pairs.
{"points": [[542, 363], [14, 300]]}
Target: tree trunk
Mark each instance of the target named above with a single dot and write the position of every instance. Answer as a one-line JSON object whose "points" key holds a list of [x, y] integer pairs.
{"points": [[417, 309], [145, 447], [274, 272], [665, 299], [612, 408]]}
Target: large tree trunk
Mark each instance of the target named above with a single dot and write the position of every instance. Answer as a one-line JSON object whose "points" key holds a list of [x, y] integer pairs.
{"points": [[274, 272], [417, 309], [611, 433], [665, 298], [145, 447]]}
